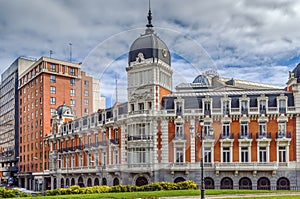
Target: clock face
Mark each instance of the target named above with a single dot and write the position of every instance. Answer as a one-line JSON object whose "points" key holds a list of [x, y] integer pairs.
{"points": [[164, 52]]}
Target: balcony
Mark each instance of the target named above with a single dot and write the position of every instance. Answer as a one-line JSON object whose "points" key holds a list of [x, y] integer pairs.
{"points": [[140, 137], [246, 166], [114, 141], [225, 136], [283, 135], [263, 136], [245, 136]]}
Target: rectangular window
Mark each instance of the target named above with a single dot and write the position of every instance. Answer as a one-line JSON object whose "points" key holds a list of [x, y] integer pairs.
{"points": [[262, 154], [72, 92], [86, 83], [72, 82], [226, 154], [226, 130], [72, 102], [104, 158], [244, 107], [86, 111], [52, 89], [179, 131], [52, 100], [86, 93], [281, 128], [52, 68], [262, 106], [206, 108], [72, 71], [179, 155], [225, 107], [86, 102], [53, 111], [282, 154], [207, 154], [244, 129], [116, 157], [282, 106], [141, 106], [244, 154], [178, 109], [52, 78]]}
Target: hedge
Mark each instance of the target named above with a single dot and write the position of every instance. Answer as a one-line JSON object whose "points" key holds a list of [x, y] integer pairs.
{"points": [[155, 186]]}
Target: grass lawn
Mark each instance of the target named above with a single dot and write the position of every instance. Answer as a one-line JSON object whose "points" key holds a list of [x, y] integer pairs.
{"points": [[149, 194]]}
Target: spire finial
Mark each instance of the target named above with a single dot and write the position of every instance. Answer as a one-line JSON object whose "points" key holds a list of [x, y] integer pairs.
{"points": [[149, 17]]}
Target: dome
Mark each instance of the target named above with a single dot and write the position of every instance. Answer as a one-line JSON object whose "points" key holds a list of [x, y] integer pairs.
{"points": [[64, 110], [201, 79], [149, 45]]}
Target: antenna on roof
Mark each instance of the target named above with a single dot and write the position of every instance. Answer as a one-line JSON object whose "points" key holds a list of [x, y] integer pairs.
{"points": [[50, 52], [70, 52]]}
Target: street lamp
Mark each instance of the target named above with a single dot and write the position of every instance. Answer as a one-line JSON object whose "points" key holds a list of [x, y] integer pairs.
{"points": [[201, 122]]}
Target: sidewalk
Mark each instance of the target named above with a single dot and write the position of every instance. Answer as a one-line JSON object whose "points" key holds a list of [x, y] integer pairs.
{"points": [[236, 195]]}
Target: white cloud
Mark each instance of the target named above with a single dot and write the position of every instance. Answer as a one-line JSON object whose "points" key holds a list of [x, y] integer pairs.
{"points": [[253, 40]]}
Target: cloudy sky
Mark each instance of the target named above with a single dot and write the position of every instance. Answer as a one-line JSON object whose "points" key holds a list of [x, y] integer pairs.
{"points": [[253, 40]]}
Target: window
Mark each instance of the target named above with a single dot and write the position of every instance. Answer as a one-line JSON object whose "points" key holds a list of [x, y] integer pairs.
{"points": [[282, 106], [225, 107], [178, 109], [281, 128], [206, 108], [52, 100], [132, 107], [262, 128], [207, 154], [262, 154], [86, 93], [262, 106], [72, 92], [226, 154], [179, 131], [80, 161], [226, 130], [72, 102], [104, 158], [244, 129], [72, 71], [52, 89], [72, 82], [141, 106], [86, 83], [52, 68], [52, 78], [179, 155], [244, 107], [53, 111], [149, 105], [86, 111], [86, 102], [116, 157], [244, 154], [282, 154]]}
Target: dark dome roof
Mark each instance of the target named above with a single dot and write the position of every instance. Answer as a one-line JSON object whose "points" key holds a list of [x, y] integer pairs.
{"points": [[201, 79], [64, 110], [151, 46]]}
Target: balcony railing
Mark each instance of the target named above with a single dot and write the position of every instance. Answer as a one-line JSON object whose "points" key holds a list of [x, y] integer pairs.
{"points": [[140, 137], [179, 137], [227, 136], [245, 135], [283, 135], [262, 135]]}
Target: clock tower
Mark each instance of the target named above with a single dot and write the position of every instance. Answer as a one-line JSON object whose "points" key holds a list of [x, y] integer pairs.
{"points": [[149, 71]]}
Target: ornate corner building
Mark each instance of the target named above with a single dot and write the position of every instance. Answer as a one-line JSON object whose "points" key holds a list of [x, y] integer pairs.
{"points": [[251, 131]]}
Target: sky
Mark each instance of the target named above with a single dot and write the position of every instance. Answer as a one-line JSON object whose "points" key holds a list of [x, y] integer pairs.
{"points": [[250, 40]]}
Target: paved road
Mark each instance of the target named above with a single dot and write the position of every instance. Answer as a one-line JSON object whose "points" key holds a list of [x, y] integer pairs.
{"points": [[237, 195]]}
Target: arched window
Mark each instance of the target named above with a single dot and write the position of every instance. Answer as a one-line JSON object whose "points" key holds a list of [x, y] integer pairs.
{"points": [[179, 179], [62, 183], [245, 183], [283, 184], [116, 182], [80, 182], [226, 183], [209, 183], [263, 183], [104, 181], [140, 181], [89, 182], [72, 181], [96, 182]]}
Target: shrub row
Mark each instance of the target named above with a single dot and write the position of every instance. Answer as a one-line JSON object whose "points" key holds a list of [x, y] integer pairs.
{"points": [[155, 186], [12, 193]]}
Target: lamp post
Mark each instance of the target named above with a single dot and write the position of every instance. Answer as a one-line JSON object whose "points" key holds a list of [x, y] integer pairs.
{"points": [[201, 122]]}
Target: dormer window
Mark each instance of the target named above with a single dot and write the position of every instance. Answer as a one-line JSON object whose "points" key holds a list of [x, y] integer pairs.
{"points": [[178, 109], [226, 107], [282, 106], [207, 108], [262, 106], [244, 107]]}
